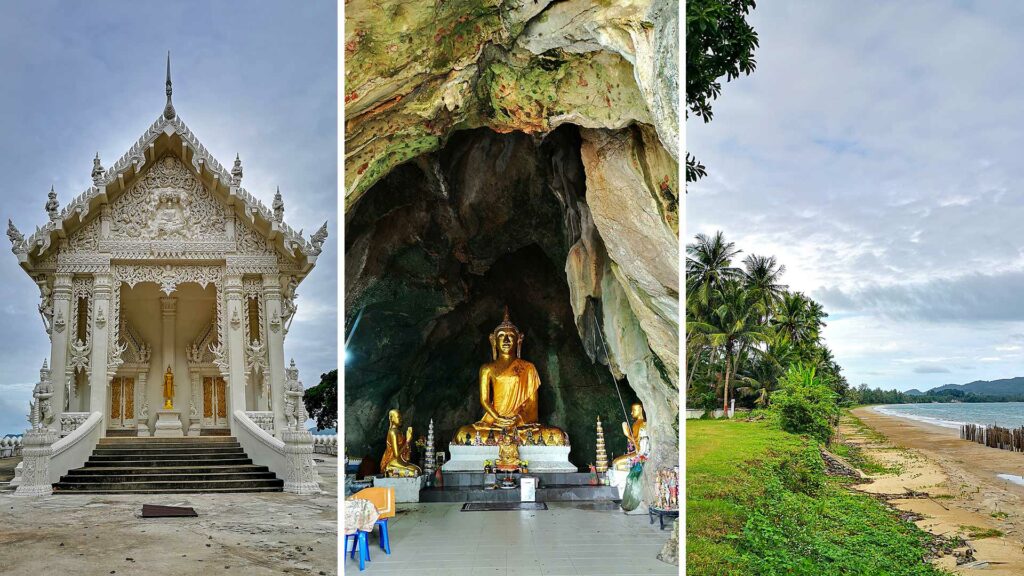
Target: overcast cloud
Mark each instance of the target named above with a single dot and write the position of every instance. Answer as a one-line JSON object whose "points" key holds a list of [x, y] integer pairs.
{"points": [[876, 152], [257, 78]]}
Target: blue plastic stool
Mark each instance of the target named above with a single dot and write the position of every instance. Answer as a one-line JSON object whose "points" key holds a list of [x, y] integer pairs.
{"points": [[359, 540], [385, 542]]}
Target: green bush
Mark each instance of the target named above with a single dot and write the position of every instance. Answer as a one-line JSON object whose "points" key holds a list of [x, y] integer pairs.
{"points": [[804, 404]]}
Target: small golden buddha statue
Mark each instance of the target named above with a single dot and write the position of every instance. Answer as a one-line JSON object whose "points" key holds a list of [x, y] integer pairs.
{"points": [[168, 389], [508, 453], [633, 436], [508, 392], [398, 450]]}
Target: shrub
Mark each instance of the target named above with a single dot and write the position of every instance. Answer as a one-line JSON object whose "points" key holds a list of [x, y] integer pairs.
{"points": [[804, 404]]}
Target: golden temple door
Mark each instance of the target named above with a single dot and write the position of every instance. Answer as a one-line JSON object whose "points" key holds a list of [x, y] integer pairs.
{"points": [[215, 402], [122, 403]]}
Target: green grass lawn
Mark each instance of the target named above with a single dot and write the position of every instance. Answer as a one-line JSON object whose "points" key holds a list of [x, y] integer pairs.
{"points": [[758, 502]]}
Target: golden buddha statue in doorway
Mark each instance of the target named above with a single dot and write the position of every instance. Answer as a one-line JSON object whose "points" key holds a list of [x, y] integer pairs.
{"points": [[168, 389], [508, 393]]}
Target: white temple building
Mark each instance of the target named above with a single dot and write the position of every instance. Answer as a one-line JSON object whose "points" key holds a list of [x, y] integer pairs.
{"points": [[167, 291]]}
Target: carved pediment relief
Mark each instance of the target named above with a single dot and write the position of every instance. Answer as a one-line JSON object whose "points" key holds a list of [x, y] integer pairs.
{"points": [[167, 203], [137, 351]]}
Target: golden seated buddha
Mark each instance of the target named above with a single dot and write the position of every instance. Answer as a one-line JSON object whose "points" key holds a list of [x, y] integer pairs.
{"points": [[508, 454], [398, 450], [508, 394], [637, 438]]}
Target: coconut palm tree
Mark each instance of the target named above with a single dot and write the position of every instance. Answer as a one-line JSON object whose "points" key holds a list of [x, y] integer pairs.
{"points": [[708, 266], [767, 366], [733, 324], [764, 274]]}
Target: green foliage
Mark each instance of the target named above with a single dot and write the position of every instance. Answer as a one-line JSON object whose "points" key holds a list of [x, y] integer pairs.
{"points": [[864, 395], [744, 327], [719, 43], [832, 532], [978, 533], [322, 401], [805, 405], [759, 503]]}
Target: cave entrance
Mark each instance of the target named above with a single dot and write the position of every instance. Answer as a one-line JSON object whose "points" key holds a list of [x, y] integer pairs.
{"points": [[435, 251]]}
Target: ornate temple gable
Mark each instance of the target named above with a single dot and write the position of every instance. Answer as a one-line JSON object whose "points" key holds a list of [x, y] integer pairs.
{"points": [[167, 204], [167, 198]]}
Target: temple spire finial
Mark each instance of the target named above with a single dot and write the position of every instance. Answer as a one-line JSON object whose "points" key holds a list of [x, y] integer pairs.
{"points": [[278, 206], [97, 171], [52, 205], [169, 112], [236, 171]]}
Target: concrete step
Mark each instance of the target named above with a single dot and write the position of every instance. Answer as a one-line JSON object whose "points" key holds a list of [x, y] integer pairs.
{"points": [[227, 449], [551, 493], [199, 483], [175, 455], [480, 479], [201, 440], [184, 475], [134, 463], [194, 485], [114, 470], [57, 490]]}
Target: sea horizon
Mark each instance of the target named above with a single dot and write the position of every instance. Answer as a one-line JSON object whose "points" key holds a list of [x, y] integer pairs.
{"points": [[955, 414]]}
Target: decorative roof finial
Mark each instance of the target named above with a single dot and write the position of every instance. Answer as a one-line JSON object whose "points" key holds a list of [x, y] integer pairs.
{"points": [[316, 241], [236, 171], [97, 171], [14, 234], [169, 112], [278, 206], [52, 205]]}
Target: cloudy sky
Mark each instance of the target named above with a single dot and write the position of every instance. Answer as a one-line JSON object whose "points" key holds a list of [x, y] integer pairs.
{"points": [[876, 151], [80, 78]]}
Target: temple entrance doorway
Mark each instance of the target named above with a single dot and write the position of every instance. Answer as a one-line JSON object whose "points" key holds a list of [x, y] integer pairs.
{"points": [[215, 402], [122, 403]]}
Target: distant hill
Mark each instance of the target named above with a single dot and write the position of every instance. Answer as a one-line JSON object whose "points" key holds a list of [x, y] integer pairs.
{"points": [[1004, 387], [914, 392]]}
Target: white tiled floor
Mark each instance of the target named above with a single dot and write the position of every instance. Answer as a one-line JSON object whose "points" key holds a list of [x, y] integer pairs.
{"points": [[568, 539]]}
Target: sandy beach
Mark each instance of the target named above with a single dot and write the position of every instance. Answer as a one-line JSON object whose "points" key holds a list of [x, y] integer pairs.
{"points": [[964, 494]]}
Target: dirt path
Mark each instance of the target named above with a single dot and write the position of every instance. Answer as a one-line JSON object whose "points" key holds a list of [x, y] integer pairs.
{"points": [[964, 495]]}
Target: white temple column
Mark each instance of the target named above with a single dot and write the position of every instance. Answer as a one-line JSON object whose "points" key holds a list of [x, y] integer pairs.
{"points": [[59, 336], [275, 348], [195, 403], [142, 405], [234, 344], [99, 325]]}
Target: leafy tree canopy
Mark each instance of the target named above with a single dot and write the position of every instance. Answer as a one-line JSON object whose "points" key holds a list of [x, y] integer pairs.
{"points": [[322, 401], [719, 43]]}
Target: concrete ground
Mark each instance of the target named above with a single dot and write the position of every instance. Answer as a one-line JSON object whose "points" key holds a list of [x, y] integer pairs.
{"points": [[251, 534], [568, 539]]}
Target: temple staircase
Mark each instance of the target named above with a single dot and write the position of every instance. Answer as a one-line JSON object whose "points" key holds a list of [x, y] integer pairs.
{"points": [[121, 465]]}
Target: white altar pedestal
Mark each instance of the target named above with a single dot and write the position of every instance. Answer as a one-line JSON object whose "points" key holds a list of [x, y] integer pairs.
{"points": [[540, 458], [168, 424], [406, 489], [617, 479]]}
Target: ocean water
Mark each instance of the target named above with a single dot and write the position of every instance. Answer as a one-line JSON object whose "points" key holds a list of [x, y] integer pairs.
{"points": [[1006, 414]]}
